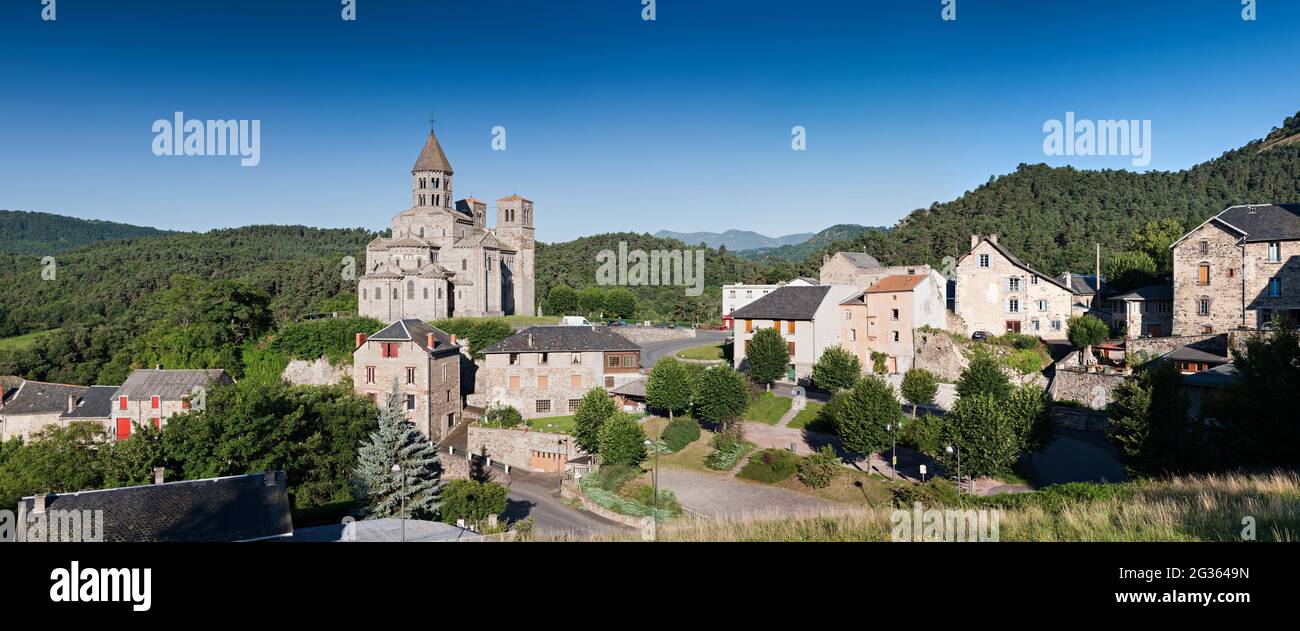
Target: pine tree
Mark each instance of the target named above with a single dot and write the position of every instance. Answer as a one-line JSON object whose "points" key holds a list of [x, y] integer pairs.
{"points": [[396, 442]]}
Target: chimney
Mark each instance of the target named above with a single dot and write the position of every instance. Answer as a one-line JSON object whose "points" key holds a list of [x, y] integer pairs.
{"points": [[158, 474], [1067, 282], [271, 477], [361, 339], [530, 340], [974, 241], [432, 343], [72, 403], [1097, 274], [40, 502], [993, 238], [453, 339]]}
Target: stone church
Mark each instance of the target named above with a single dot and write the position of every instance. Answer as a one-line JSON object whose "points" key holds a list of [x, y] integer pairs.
{"points": [[442, 260]]}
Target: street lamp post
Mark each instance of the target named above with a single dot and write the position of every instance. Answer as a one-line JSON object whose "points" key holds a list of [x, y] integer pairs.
{"points": [[654, 476], [893, 455], [397, 468]]}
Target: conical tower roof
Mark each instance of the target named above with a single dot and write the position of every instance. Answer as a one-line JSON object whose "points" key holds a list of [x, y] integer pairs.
{"points": [[431, 157]]}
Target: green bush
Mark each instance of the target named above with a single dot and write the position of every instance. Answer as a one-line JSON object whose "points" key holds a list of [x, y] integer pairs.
{"points": [[622, 441], [472, 501], [933, 493], [644, 494], [924, 434], [770, 466], [728, 449], [680, 433], [612, 477], [501, 415], [820, 468], [624, 505]]}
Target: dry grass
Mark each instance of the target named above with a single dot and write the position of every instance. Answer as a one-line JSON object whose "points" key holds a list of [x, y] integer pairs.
{"points": [[1191, 508]]}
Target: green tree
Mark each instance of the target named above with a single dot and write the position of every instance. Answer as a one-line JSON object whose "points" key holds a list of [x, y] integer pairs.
{"points": [[1257, 428], [1155, 238], [1084, 331], [472, 501], [131, 462], [595, 408], [864, 413], [980, 428], [622, 441], [767, 356], [919, 387], [723, 396], [620, 303], [502, 415], [1030, 413], [984, 376], [415, 487], [591, 301], [1124, 271], [836, 369], [668, 387], [562, 300], [57, 459], [1148, 421]]}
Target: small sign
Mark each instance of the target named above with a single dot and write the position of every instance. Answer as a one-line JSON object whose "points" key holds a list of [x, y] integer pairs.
{"points": [[922, 469]]}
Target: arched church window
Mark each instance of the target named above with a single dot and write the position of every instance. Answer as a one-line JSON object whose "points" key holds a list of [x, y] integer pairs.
{"points": [[410, 290]]}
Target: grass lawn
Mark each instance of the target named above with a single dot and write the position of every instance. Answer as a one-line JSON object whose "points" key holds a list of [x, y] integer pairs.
{"points": [[849, 487], [703, 352], [807, 415], [690, 456], [521, 321], [553, 424], [768, 408], [20, 342]]}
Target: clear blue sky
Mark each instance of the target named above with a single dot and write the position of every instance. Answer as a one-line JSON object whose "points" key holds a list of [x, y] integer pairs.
{"points": [[613, 123]]}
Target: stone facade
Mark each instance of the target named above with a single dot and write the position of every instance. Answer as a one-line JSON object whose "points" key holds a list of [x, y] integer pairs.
{"points": [[524, 449], [150, 397], [441, 260], [1208, 290], [646, 334], [997, 293], [541, 384], [425, 365]]}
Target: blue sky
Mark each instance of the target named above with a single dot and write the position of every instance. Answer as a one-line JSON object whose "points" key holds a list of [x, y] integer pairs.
{"points": [[612, 122]]}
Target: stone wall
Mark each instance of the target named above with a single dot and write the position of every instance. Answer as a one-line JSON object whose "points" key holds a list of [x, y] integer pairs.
{"points": [[938, 353], [515, 446], [1216, 246], [301, 372], [569, 490], [1094, 390], [646, 334], [1154, 347]]}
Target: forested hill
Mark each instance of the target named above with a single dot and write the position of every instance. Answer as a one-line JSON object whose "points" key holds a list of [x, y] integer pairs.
{"points": [[816, 243], [44, 234], [1051, 217]]}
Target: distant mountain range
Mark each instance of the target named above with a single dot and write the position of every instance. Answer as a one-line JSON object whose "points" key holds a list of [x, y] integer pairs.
{"points": [[24, 232], [735, 240], [819, 241]]}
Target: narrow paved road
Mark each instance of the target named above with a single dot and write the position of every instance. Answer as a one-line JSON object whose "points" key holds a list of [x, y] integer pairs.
{"points": [[535, 495], [652, 351]]}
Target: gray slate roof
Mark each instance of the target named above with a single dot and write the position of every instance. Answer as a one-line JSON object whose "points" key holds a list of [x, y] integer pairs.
{"points": [[1217, 377], [236, 508], [95, 403], [169, 385], [1269, 222], [415, 330], [549, 339], [35, 397], [631, 389], [785, 303], [1193, 354], [1150, 292], [1015, 261], [861, 259], [1080, 284]]}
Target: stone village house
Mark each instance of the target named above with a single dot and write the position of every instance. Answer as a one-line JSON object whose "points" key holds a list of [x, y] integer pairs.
{"points": [[544, 370], [425, 364], [998, 293], [1237, 270], [882, 318]]}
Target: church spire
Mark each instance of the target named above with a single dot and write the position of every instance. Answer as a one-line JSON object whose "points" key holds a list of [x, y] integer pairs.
{"points": [[431, 157]]}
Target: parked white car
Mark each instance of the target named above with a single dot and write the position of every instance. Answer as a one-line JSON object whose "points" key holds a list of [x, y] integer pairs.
{"points": [[574, 321]]}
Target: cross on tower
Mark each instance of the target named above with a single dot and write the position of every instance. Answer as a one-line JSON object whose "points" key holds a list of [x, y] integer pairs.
{"points": [[432, 120]]}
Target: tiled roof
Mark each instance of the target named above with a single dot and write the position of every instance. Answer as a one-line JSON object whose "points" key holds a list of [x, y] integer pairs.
{"points": [[1192, 354], [896, 283], [236, 508], [860, 259], [631, 389], [169, 385], [1268, 222], [431, 157], [514, 198], [35, 397], [95, 403], [563, 338], [414, 330], [785, 303], [1150, 292], [1014, 261]]}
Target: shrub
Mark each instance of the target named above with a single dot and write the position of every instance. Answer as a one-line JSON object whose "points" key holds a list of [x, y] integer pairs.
{"points": [[680, 433], [924, 434], [622, 441], [728, 449], [820, 468], [836, 369], [502, 415], [612, 477], [644, 494], [1086, 330], [472, 501], [933, 493], [770, 466]]}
